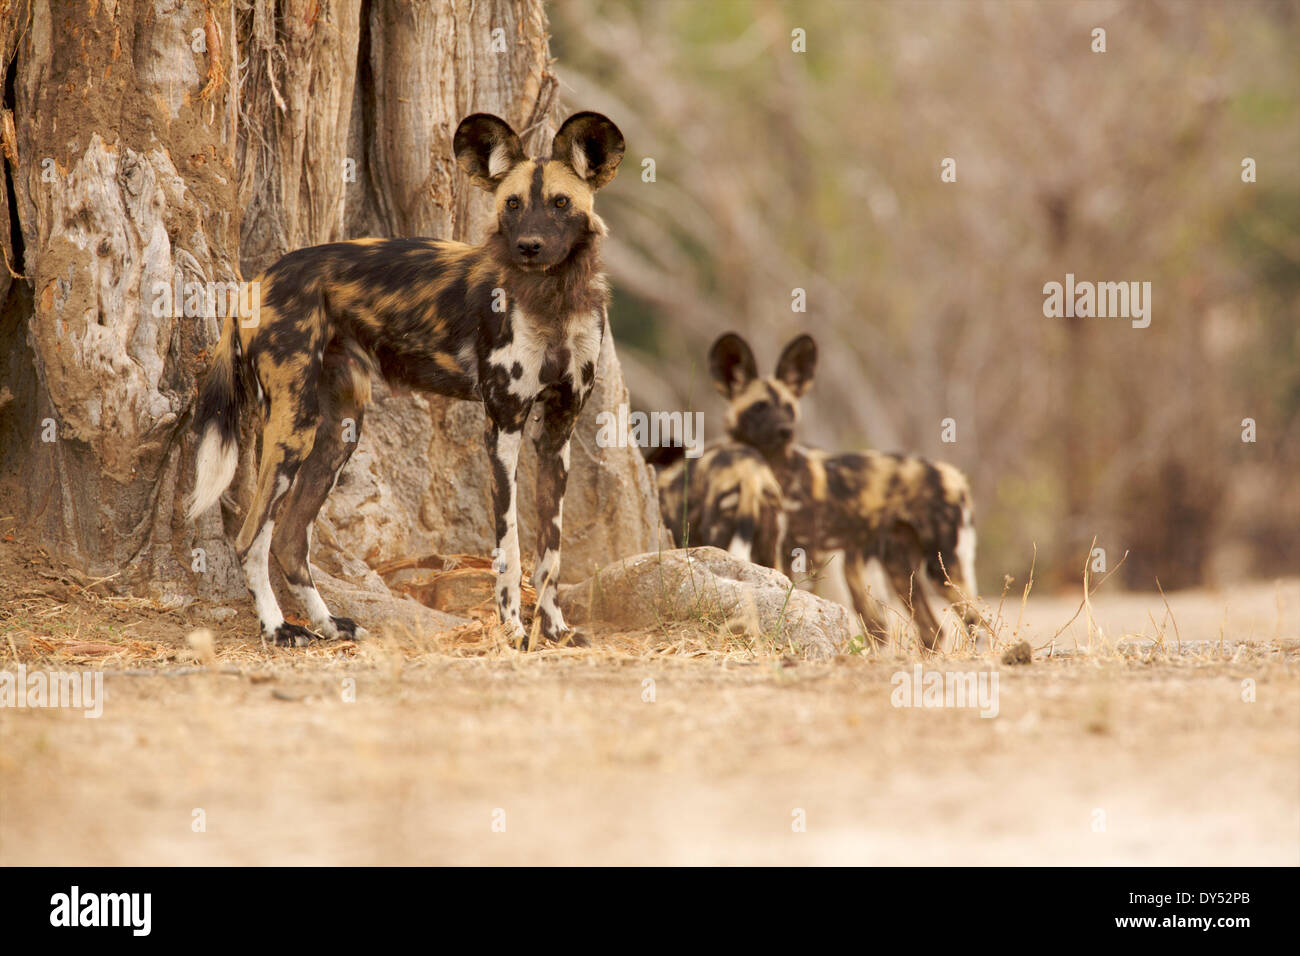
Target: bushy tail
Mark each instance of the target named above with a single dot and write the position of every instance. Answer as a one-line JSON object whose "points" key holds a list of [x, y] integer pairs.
{"points": [[966, 550], [221, 399], [961, 570]]}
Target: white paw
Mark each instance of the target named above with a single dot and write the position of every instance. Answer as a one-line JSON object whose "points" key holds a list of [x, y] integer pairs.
{"points": [[515, 632]]}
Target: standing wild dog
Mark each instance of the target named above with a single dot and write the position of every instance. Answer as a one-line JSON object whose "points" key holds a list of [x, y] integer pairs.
{"points": [[727, 498], [515, 322], [913, 515]]}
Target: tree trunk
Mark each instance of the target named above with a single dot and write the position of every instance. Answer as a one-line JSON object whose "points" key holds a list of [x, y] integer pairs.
{"points": [[194, 141], [124, 179]]}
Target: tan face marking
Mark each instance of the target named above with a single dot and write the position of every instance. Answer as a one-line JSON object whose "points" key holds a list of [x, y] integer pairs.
{"points": [[755, 391], [786, 394], [763, 413], [558, 179], [516, 185]]}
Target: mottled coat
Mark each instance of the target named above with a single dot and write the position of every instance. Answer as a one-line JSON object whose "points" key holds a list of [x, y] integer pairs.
{"points": [[913, 515], [514, 323], [727, 498]]}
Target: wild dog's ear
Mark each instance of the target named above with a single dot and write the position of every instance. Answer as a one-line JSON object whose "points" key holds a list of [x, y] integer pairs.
{"points": [[732, 364], [592, 145], [797, 363], [486, 148]]}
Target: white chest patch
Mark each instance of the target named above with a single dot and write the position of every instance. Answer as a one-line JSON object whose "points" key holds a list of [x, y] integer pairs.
{"points": [[532, 351], [525, 351]]}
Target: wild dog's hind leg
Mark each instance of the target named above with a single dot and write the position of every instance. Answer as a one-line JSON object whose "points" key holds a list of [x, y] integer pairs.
{"points": [[560, 407], [906, 578], [869, 609], [336, 439], [286, 442]]}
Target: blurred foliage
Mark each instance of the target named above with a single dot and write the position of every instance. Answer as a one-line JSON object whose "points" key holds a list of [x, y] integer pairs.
{"points": [[777, 170]]}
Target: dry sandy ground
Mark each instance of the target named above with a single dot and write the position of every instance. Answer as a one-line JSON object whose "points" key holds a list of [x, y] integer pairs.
{"points": [[571, 757]]}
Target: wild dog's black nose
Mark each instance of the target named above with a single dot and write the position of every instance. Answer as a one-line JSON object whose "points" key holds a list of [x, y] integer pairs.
{"points": [[529, 246], [785, 432]]}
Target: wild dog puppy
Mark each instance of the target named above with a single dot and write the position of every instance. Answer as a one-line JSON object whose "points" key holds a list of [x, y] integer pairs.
{"points": [[915, 516], [727, 498], [515, 323]]}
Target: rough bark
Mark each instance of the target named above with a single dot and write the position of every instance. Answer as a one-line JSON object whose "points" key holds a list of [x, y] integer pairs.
{"points": [[124, 178]]}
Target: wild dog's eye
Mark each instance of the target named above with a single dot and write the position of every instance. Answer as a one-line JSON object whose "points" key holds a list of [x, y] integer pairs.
{"points": [[561, 202], [512, 202]]}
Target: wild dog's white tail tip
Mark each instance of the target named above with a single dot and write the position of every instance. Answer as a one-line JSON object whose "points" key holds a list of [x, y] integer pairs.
{"points": [[966, 552], [214, 470]]}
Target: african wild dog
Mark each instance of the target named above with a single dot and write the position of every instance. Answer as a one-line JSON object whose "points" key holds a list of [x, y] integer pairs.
{"points": [[913, 515], [515, 322], [727, 498]]}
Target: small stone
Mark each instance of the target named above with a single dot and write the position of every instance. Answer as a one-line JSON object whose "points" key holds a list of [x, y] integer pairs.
{"points": [[1020, 653]]}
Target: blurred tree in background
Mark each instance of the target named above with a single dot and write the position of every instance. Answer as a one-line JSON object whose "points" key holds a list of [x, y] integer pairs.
{"points": [[820, 170]]}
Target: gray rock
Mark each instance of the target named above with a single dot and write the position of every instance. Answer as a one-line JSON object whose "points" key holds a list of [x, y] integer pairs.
{"points": [[373, 609], [712, 587]]}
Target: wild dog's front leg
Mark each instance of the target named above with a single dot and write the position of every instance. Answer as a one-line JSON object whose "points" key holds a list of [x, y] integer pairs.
{"points": [[503, 456], [560, 408]]}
